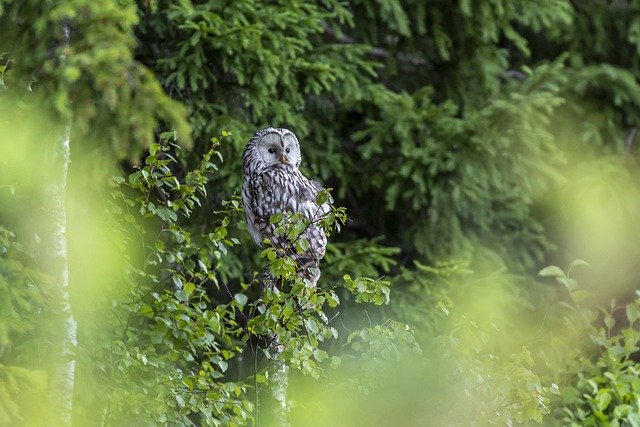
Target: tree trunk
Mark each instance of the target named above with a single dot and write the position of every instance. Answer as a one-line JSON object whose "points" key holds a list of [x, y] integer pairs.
{"points": [[278, 410], [274, 410], [64, 357], [63, 370]]}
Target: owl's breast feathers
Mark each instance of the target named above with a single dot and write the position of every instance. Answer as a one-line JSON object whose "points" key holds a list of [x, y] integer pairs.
{"points": [[281, 188]]}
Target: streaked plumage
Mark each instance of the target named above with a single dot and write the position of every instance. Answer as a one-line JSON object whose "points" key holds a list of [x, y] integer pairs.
{"points": [[273, 184]]}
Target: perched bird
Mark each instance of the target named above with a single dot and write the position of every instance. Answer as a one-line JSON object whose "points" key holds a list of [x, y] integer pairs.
{"points": [[273, 184]]}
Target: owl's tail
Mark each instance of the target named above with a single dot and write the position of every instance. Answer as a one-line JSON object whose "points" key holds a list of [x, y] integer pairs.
{"points": [[307, 269]]}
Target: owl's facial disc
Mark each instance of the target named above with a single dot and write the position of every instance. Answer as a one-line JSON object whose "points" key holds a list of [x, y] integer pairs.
{"points": [[279, 149]]}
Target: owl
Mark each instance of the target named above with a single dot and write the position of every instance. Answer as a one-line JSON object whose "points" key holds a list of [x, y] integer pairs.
{"points": [[273, 184]]}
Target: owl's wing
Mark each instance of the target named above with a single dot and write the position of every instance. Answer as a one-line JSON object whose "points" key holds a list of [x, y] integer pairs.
{"points": [[249, 205], [326, 206], [309, 208]]}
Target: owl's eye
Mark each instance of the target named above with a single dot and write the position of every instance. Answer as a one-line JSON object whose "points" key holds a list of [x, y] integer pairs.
{"points": [[272, 150], [287, 149]]}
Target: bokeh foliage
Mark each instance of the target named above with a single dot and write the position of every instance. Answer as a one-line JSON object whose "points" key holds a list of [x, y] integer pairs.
{"points": [[472, 142]]}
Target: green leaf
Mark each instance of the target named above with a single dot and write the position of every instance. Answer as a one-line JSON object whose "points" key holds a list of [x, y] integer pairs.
{"points": [[603, 398], [311, 325], [182, 295], [301, 226], [632, 312], [275, 218], [189, 288], [609, 322], [153, 148], [145, 310], [168, 135], [320, 355], [551, 271], [336, 361], [578, 263], [622, 411], [322, 197], [180, 400], [241, 299], [570, 284]]}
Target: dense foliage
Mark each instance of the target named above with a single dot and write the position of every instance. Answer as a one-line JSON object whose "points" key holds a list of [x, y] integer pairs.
{"points": [[468, 144]]}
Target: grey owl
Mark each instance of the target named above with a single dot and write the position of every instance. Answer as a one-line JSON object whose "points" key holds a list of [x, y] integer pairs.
{"points": [[273, 184]]}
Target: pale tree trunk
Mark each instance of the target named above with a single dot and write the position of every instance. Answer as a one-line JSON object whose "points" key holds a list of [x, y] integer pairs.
{"points": [[276, 412], [278, 383], [63, 372], [64, 359]]}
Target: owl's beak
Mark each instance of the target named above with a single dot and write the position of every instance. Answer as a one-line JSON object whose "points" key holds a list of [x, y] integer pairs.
{"points": [[283, 159]]}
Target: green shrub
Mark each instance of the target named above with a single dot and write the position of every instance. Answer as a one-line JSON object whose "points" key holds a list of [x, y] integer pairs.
{"points": [[596, 358]]}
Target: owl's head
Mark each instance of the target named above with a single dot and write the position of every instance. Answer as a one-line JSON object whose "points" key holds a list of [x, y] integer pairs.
{"points": [[269, 147]]}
